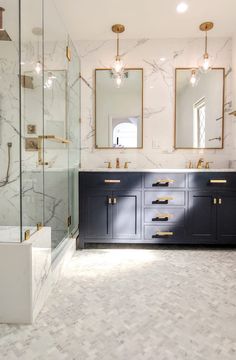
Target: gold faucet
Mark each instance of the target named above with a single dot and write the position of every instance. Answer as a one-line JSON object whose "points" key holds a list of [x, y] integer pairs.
{"points": [[108, 164], [117, 163], [200, 163], [207, 166], [126, 164]]}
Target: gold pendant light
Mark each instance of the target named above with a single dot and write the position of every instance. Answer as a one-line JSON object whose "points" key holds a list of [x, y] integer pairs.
{"points": [[206, 60]]}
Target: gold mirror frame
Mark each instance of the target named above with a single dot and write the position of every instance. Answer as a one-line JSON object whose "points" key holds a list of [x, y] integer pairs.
{"points": [[95, 111], [223, 112]]}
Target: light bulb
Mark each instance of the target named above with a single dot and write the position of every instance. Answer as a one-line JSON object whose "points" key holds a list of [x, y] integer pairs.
{"points": [[118, 66], [38, 67], [205, 63], [118, 81], [182, 7], [193, 79]]}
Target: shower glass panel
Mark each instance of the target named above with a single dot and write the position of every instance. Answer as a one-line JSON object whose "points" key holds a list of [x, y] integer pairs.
{"points": [[10, 218], [32, 126], [39, 122], [73, 97], [56, 142]]}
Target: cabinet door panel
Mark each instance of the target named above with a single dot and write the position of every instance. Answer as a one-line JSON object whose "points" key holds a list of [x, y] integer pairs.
{"points": [[126, 215], [226, 218], [202, 217], [98, 215]]}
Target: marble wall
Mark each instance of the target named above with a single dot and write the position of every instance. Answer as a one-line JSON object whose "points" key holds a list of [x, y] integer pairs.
{"points": [[159, 58]]}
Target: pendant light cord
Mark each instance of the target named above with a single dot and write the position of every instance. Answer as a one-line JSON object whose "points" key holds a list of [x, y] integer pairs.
{"points": [[118, 45], [206, 43]]}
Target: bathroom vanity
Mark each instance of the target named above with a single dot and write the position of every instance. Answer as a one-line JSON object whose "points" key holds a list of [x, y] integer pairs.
{"points": [[158, 206]]}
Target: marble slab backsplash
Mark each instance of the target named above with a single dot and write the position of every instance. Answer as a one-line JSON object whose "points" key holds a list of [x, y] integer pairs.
{"points": [[159, 58]]}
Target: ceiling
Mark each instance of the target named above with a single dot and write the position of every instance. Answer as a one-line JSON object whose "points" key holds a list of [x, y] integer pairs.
{"points": [[92, 19]]}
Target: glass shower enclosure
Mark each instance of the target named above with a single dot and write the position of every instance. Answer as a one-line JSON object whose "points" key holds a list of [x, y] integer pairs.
{"points": [[39, 122]]}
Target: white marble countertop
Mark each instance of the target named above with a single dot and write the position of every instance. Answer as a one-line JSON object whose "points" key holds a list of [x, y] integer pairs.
{"points": [[156, 170]]}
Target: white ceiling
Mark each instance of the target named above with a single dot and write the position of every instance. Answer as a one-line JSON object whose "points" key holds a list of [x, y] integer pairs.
{"points": [[92, 19]]}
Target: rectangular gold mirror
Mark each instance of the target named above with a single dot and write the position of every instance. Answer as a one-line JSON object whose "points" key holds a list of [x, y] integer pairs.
{"points": [[199, 109], [119, 110]]}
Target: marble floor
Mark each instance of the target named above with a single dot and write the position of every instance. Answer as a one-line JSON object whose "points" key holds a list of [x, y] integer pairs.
{"points": [[162, 304]]}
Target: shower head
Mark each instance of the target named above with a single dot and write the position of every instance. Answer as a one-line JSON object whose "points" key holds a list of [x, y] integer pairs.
{"points": [[3, 33]]}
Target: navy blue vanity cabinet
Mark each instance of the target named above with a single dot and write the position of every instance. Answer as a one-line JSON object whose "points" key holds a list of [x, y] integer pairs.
{"points": [[158, 208], [98, 214], [226, 218], [212, 208], [111, 207], [201, 219], [164, 208], [126, 215]]}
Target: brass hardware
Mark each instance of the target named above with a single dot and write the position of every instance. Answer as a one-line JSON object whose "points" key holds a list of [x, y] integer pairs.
{"points": [[109, 201], [206, 26], [163, 216], [31, 144], [118, 28], [27, 234], [215, 201], [163, 182], [189, 165], [54, 138], [207, 165], [31, 129], [164, 233], [165, 198], [108, 164], [117, 163], [40, 147], [68, 53], [114, 201], [108, 181], [27, 82], [220, 201], [200, 163], [69, 221], [126, 164], [233, 113], [212, 181], [39, 226]]}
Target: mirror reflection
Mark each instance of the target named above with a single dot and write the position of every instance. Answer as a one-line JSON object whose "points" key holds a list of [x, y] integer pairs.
{"points": [[199, 113], [119, 110]]}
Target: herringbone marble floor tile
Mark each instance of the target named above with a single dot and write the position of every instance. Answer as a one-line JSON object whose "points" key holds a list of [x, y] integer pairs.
{"points": [[163, 304]]}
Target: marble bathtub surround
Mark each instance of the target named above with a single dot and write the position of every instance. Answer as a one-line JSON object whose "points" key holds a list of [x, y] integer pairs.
{"points": [[158, 58]]}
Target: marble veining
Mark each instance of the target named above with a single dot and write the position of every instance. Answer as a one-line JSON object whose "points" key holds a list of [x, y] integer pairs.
{"points": [[159, 58]]}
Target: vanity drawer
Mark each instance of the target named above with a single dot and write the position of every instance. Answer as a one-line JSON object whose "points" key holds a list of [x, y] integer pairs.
{"points": [[111, 180], [162, 180], [212, 180], [168, 233], [167, 198], [162, 215]]}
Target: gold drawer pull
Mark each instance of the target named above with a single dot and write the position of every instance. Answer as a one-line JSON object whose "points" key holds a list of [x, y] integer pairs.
{"points": [[218, 181], [164, 216], [106, 181], [166, 181], [165, 198], [163, 182], [165, 233]]}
